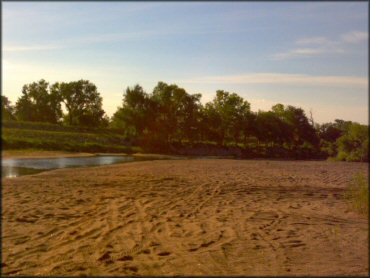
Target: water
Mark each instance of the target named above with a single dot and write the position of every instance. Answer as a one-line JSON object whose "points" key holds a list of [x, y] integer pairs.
{"points": [[12, 168]]}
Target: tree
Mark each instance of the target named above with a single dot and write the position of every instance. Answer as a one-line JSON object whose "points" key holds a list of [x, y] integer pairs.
{"points": [[329, 134], [354, 144], [210, 124], [249, 127], [38, 104], [189, 123], [299, 128], [82, 101], [270, 128], [227, 114], [7, 110], [176, 112], [134, 115]]}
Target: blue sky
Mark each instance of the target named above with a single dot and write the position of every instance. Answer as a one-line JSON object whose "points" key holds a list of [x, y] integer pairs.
{"points": [[313, 54]]}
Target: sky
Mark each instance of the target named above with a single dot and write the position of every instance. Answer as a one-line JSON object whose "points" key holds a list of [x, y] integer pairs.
{"points": [[312, 55]]}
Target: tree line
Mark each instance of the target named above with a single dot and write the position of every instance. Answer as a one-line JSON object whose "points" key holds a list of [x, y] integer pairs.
{"points": [[170, 115], [41, 102]]}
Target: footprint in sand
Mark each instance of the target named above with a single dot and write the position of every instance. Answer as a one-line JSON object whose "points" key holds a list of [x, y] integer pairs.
{"points": [[165, 253], [126, 258], [131, 268]]}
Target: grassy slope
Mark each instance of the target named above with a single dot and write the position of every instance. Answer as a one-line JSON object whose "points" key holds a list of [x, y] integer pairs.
{"points": [[44, 136], [54, 137]]}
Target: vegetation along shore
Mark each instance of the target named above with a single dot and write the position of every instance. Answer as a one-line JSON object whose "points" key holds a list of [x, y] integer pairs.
{"points": [[68, 116]]}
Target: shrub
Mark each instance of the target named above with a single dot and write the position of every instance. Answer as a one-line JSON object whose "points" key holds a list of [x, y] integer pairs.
{"points": [[353, 145], [358, 194]]}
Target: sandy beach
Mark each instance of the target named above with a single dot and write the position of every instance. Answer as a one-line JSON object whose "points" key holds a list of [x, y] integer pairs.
{"points": [[20, 154], [185, 217]]}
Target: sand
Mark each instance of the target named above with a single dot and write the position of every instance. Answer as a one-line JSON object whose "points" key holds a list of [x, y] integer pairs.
{"points": [[185, 217], [16, 154]]}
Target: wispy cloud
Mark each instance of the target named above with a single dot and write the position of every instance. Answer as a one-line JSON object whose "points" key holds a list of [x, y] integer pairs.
{"points": [[85, 40], [314, 41], [31, 48], [355, 37], [110, 38], [282, 78], [317, 46], [298, 52]]}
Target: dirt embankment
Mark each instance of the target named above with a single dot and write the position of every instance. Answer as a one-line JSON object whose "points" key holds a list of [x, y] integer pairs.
{"points": [[185, 217]]}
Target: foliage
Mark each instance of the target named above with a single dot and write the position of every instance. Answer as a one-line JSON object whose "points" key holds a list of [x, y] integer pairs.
{"points": [[358, 194], [72, 140], [168, 114], [297, 127], [134, 114], [82, 101], [329, 133], [354, 144], [171, 120], [7, 110], [226, 115], [38, 104]]}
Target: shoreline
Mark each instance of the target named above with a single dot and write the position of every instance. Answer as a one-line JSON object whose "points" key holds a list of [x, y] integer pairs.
{"points": [[20, 154]]}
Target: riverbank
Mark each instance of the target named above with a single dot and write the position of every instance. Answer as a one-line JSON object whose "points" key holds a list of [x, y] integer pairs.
{"points": [[32, 153], [185, 217], [53, 137]]}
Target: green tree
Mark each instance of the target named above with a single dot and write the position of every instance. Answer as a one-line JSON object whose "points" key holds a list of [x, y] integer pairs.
{"points": [[211, 121], [229, 113], [176, 112], [7, 110], [270, 128], [249, 127], [82, 101], [354, 144], [329, 134], [38, 104], [189, 117], [299, 128], [134, 115]]}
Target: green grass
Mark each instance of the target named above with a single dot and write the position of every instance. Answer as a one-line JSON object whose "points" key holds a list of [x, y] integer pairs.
{"points": [[54, 137], [57, 127], [358, 194]]}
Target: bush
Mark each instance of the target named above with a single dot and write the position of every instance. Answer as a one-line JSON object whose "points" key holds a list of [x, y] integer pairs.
{"points": [[353, 145], [358, 194]]}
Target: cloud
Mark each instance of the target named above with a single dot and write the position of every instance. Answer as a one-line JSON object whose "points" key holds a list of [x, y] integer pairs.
{"points": [[109, 38], [283, 78], [355, 37], [84, 40], [31, 48], [318, 46], [298, 52], [314, 40]]}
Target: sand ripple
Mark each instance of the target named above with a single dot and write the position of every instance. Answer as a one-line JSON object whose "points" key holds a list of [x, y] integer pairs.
{"points": [[189, 217]]}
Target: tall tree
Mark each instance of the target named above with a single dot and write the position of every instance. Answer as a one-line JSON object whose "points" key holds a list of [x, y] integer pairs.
{"points": [[134, 115], [82, 101], [38, 104], [354, 144], [7, 110], [189, 122], [270, 128], [299, 126], [230, 113], [211, 121], [330, 132], [176, 111]]}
